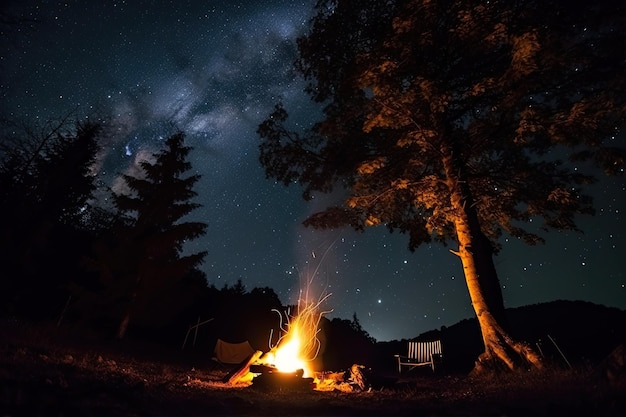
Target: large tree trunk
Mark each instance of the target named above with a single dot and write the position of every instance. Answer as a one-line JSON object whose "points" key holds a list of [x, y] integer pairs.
{"points": [[500, 349], [476, 253]]}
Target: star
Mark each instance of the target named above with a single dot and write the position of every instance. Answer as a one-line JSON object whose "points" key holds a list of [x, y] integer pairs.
{"points": [[215, 70]]}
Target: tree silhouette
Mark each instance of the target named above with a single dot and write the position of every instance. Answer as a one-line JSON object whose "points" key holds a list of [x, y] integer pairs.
{"points": [[46, 184], [450, 121], [144, 254], [346, 343], [51, 172]]}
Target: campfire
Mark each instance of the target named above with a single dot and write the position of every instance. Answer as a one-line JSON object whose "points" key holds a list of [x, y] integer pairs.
{"points": [[289, 362], [299, 344], [288, 365]]}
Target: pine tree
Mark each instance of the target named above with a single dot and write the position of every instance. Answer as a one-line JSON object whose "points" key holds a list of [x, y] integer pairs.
{"points": [[148, 253], [46, 186], [450, 121]]}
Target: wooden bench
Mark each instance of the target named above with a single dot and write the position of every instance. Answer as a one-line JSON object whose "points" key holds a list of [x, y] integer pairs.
{"points": [[421, 354]]}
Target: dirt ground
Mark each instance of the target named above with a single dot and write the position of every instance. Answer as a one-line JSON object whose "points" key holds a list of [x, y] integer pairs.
{"points": [[41, 376]]}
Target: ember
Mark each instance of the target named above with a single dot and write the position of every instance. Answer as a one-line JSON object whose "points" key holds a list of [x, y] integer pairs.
{"points": [[270, 379]]}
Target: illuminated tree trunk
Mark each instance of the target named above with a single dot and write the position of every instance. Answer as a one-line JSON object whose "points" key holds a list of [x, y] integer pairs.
{"points": [[476, 253]]}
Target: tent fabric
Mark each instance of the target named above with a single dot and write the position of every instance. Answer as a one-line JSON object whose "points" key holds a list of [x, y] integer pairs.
{"points": [[232, 352]]}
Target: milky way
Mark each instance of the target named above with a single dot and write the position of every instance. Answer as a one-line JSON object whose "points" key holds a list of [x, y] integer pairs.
{"points": [[215, 70]]}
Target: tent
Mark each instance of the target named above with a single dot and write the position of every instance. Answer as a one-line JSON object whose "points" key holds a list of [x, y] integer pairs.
{"points": [[232, 353]]}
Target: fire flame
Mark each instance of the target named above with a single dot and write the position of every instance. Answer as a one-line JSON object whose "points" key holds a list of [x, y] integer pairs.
{"points": [[288, 356], [299, 346]]}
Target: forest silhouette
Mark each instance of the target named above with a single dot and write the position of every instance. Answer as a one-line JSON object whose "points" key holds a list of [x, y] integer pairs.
{"points": [[118, 269]]}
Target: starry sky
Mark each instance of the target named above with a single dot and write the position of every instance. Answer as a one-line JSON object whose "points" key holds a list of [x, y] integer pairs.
{"points": [[215, 69]]}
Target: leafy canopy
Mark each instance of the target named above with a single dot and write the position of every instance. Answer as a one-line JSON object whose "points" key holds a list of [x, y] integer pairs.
{"points": [[524, 95]]}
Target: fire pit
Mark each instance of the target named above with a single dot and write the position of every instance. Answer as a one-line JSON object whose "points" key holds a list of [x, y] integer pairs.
{"points": [[269, 378]]}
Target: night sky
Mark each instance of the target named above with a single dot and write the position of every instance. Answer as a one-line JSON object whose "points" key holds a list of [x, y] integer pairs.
{"points": [[216, 69]]}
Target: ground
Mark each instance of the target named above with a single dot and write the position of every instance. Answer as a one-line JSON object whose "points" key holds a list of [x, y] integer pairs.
{"points": [[42, 374]]}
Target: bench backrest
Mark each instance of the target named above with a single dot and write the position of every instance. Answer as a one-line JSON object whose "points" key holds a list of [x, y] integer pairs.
{"points": [[423, 351]]}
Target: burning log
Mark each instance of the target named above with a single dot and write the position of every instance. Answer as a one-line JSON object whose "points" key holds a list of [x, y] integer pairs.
{"points": [[242, 369], [283, 382], [269, 378], [356, 376], [346, 381]]}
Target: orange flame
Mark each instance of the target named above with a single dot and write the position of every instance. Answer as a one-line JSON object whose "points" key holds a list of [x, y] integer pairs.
{"points": [[299, 346]]}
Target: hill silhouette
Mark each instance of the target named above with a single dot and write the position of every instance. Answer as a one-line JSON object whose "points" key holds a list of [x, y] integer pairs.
{"points": [[567, 333]]}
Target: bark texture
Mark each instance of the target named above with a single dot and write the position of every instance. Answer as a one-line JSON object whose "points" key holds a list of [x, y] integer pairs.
{"points": [[476, 254]]}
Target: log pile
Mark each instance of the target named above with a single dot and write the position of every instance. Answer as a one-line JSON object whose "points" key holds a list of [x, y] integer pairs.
{"points": [[352, 380], [268, 378]]}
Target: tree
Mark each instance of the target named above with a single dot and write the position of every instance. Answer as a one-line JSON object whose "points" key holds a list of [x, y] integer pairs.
{"points": [[346, 343], [145, 254], [452, 121], [46, 184], [49, 174]]}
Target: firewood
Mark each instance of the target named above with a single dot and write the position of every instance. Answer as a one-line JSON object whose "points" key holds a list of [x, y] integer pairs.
{"points": [[357, 377], [242, 369]]}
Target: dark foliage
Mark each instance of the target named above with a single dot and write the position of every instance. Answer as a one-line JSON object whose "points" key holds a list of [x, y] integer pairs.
{"points": [[346, 343], [141, 260], [46, 185], [506, 87]]}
